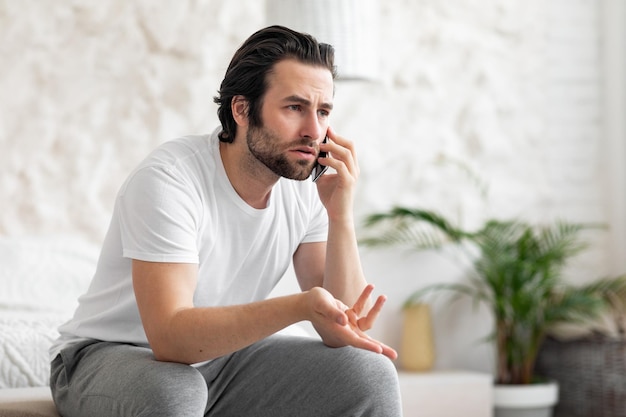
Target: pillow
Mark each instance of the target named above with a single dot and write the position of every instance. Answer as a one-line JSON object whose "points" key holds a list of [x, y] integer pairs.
{"points": [[45, 273]]}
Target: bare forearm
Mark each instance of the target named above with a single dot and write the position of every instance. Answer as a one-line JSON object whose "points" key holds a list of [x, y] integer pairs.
{"points": [[199, 334], [343, 276]]}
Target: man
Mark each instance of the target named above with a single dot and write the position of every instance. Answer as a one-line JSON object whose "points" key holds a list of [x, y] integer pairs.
{"points": [[201, 232]]}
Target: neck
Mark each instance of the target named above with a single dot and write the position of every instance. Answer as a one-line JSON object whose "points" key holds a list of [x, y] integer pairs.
{"points": [[251, 180]]}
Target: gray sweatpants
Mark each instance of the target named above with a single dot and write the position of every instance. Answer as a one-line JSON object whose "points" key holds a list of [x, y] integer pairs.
{"points": [[279, 376]]}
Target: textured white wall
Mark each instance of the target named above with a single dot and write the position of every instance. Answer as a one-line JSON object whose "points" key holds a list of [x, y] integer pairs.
{"points": [[507, 89]]}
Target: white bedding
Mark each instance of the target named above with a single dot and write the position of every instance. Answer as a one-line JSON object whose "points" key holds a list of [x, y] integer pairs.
{"points": [[26, 336], [40, 281]]}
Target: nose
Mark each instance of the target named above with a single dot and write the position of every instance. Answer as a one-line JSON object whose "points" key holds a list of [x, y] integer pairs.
{"points": [[312, 128]]}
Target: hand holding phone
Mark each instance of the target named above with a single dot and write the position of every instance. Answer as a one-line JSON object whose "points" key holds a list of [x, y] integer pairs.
{"points": [[319, 169]]}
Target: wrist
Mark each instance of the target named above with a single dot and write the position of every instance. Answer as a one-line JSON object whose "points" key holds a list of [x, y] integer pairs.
{"points": [[304, 310], [341, 213], [344, 223]]}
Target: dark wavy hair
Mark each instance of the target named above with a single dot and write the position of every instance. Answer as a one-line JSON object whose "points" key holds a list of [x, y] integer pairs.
{"points": [[247, 72]]}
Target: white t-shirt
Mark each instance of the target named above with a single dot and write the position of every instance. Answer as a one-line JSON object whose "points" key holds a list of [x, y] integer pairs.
{"points": [[179, 206]]}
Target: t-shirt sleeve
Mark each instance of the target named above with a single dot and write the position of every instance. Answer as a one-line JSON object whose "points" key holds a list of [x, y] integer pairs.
{"points": [[159, 217]]}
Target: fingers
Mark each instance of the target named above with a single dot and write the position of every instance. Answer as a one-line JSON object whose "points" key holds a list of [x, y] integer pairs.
{"points": [[367, 322], [363, 341], [342, 155], [375, 346], [340, 326], [389, 352], [363, 299]]}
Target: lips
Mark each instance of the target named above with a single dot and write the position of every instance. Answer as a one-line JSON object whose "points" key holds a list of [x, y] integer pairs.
{"points": [[305, 151]]}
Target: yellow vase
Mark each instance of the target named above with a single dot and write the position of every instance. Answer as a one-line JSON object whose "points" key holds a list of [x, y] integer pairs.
{"points": [[417, 351]]}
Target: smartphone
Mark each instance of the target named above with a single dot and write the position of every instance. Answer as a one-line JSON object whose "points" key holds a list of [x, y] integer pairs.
{"points": [[319, 169]]}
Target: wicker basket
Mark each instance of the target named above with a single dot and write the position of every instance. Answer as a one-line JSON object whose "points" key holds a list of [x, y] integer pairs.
{"points": [[591, 373]]}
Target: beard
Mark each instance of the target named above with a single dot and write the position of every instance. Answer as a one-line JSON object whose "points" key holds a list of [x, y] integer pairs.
{"points": [[267, 148]]}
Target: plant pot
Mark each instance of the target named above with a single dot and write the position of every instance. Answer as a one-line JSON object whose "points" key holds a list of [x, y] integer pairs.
{"points": [[533, 400], [417, 351]]}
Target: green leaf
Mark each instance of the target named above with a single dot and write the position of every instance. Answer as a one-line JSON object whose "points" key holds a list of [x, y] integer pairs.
{"points": [[517, 274]]}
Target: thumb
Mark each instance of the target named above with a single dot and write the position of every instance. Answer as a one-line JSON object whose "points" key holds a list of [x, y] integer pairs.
{"points": [[341, 318], [331, 309]]}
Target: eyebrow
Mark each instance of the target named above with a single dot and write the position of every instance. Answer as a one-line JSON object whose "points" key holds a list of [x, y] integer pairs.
{"points": [[306, 102]]}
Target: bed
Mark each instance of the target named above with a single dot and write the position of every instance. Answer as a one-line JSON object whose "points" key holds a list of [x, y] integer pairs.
{"points": [[40, 281]]}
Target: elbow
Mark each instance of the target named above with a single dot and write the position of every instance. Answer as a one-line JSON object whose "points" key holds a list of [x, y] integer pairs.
{"points": [[163, 353], [171, 355], [164, 349]]}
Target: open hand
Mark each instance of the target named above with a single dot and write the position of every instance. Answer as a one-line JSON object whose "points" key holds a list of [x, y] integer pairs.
{"points": [[340, 325]]}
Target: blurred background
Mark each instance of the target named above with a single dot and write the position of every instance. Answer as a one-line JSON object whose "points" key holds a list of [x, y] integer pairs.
{"points": [[476, 108]]}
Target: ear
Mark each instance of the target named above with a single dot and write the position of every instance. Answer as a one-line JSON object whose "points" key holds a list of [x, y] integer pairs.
{"points": [[239, 107]]}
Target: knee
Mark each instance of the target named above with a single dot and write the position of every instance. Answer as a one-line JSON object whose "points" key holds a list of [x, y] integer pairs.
{"points": [[374, 367], [178, 391], [374, 383]]}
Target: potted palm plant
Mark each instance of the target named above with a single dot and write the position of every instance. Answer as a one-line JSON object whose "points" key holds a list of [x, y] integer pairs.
{"points": [[517, 272]]}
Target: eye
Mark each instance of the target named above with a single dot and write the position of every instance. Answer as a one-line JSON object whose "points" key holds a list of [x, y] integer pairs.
{"points": [[323, 113], [294, 107]]}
